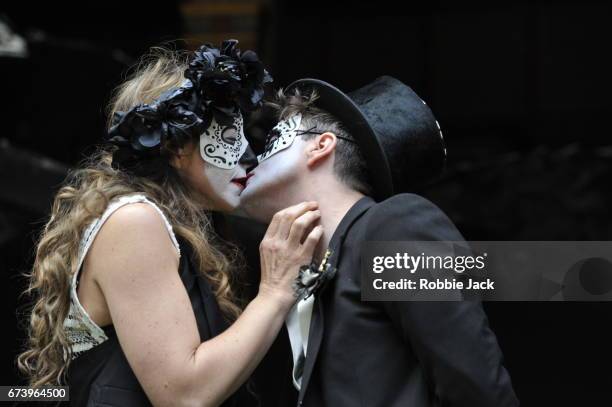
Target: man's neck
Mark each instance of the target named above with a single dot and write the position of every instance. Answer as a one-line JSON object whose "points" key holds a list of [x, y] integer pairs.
{"points": [[333, 207]]}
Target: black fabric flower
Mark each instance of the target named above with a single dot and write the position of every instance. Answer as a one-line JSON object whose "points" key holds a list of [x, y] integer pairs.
{"points": [[169, 121], [252, 93], [227, 80], [311, 279], [180, 113]]}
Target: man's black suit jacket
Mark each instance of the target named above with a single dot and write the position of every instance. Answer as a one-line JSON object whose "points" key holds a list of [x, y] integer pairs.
{"points": [[387, 354]]}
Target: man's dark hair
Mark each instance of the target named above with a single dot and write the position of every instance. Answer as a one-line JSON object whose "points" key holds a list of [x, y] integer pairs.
{"points": [[350, 165]]}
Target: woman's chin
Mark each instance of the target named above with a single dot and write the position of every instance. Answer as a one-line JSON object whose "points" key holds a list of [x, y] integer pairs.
{"points": [[230, 200]]}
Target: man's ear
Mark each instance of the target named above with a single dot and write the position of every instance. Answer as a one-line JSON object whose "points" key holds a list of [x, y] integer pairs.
{"points": [[322, 148]]}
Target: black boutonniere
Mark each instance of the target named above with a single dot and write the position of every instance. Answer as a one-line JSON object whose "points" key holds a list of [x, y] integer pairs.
{"points": [[311, 278]]}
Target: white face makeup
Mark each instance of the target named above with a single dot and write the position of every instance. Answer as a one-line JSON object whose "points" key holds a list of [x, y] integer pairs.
{"points": [[281, 136], [223, 146], [275, 181]]}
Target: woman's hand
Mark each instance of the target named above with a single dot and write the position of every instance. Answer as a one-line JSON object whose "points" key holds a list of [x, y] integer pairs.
{"points": [[289, 243], [135, 263]]}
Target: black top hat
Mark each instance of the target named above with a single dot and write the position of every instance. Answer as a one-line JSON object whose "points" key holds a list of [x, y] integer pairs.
{"points": [[397, 133]]}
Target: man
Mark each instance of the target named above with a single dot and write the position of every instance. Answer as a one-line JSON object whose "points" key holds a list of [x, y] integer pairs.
{"points": [[348, 153]]}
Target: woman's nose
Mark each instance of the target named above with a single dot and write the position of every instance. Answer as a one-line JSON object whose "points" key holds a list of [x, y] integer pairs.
{"points": [[248, 159]]}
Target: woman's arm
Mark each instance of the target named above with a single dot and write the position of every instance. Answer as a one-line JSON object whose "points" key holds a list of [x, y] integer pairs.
{"points": [[135, 264]]}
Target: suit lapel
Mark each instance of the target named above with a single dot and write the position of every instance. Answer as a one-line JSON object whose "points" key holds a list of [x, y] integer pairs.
{"points": [[315, 336]]}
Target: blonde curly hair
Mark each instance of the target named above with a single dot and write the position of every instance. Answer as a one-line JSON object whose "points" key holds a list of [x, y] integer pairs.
{"points": [[84, 196]]}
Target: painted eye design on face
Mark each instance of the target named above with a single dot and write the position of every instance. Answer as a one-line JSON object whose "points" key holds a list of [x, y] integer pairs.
{"points": [[222, 146], [281, 136], [271, 139], [229, 135]]}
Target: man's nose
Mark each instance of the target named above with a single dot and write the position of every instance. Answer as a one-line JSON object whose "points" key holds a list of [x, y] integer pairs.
{"points": [[248, 159]]}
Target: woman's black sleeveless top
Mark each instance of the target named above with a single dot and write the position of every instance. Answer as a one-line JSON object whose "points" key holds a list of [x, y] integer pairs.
{"points": [[102, 376]]}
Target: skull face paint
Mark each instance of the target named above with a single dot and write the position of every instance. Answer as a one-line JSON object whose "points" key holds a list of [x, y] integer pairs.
{"points": [[281, 136], [223, 146]]}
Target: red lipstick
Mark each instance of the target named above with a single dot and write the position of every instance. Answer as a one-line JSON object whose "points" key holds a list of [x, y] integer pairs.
{"points": [[242, 180]]}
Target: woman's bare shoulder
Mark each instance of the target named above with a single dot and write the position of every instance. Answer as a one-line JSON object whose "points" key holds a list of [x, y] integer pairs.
{"points": [[133, 236]]}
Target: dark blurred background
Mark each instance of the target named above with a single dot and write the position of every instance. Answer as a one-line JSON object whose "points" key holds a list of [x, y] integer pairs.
{"points": [[521, 91]]}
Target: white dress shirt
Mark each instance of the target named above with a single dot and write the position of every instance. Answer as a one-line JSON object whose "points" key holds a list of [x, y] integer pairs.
{"points": [[298, 326]]}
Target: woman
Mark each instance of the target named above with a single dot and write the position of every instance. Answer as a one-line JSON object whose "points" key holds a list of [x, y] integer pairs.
{"points": [[128, 263]]}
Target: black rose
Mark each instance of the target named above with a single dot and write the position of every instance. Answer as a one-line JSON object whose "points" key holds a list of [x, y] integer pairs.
{"points": [[148, 126], [225, 77]]}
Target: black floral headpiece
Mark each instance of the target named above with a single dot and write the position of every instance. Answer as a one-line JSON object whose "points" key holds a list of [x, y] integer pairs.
{"points": [[219, 84]]}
